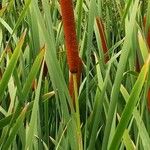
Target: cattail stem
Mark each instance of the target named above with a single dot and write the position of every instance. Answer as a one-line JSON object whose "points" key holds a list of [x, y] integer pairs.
{"points": [[78, 74], [79, 134]]}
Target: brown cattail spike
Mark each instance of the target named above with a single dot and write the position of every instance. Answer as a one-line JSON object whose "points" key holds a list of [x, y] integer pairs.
{"points": [[102, 37], [70, 34]]}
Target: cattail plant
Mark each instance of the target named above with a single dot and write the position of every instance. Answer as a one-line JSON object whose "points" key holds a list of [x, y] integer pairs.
{"points": [[103, 38], [73, 58], [70, 34]]}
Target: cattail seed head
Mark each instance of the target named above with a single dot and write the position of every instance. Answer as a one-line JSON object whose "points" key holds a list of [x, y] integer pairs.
{"points": [[102, 37], [70, 34]]}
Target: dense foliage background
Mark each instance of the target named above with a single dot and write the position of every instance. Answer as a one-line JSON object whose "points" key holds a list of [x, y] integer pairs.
{"points": [[36, 110]]}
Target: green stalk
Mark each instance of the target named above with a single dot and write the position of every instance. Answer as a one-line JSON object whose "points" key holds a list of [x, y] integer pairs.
{"points": [[79, 135]]}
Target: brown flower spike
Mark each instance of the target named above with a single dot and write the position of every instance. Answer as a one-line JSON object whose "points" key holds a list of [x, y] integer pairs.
{"points": [[73, 59], [70, 34], [103, 38]]}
